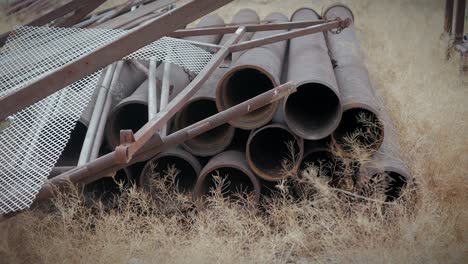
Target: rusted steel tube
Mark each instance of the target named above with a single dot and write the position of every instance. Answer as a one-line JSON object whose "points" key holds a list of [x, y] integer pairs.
{"points": [[319, 154], [130, 113], [257, 70], [199, 107], [387, 163], [273, 152], [107, 164], [233, 167], [361, 119], [314, 111], [203, 104], [187, 166]]}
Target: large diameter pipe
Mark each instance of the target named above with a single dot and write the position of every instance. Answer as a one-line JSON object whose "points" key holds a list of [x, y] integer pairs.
{"points": [[256, 71], [199, 107], [234, 169], [187, 166], [274, 152], [203, 103], [361, 122], [319, 155], [314, 111]]}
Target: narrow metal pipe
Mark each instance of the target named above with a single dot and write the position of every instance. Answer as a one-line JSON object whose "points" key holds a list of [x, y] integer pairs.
{"points": [[105, 112], [234, 169], [152, 91], [107, 164], [361, 122], [94, 122], [257, 70], [314, 112], [186, 165], [274, 152], [165, 87]]}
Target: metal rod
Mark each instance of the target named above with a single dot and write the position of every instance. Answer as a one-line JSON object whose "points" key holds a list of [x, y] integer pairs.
{"points": [[107, 164], [126, 18], [234, 169], [249, 28], [165, 92], [124, 153], [140, 66], [94, 122], [287, 35], [105, 112], [152, 92], [99, 58]]}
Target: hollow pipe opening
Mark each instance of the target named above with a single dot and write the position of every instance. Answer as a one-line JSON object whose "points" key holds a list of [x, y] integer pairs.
{"points": [[184, 172], [107, 187], [211, 142], [393, 184], [243, 84], [235, 182], [326, 163], [313, 112], [270, 151], [128, 116], [361, 128]]}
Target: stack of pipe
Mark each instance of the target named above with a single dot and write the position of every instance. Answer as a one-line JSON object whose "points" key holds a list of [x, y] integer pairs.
{"points": [[334, 95]]}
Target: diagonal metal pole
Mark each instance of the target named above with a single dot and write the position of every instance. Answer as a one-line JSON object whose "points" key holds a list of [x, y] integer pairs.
{"points": [[107, 54]]}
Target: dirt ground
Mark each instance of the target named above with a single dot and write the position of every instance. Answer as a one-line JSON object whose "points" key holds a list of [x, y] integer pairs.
{"points": [[427, 98]]}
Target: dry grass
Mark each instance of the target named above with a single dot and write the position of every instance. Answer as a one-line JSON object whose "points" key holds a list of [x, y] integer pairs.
{"points": [[426, 96]]}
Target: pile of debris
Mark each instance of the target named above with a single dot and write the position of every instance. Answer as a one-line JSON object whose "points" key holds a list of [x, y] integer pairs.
{"points": [[274, 97]]}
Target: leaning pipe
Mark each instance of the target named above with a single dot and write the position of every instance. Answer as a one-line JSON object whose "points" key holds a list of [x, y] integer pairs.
{"points": [[314, 111], [273, 152], [256, 71], [361, 122], [187, 166], [234, 169], [203, 104]]}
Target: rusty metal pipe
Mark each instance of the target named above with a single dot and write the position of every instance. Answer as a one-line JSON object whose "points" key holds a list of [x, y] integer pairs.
{"points": [[314, 111], [187, 166], [459, 27], [233, 167], [256, 71], [318, 154], [357, 94], [273, 152], [387, 163], [448, 16], [203, 104], [106, 164]]}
